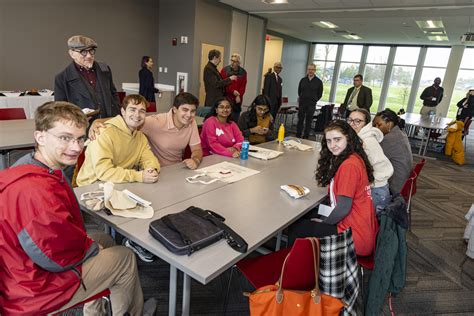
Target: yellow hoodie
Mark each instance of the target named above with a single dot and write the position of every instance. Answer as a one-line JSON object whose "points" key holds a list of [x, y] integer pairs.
{"points": [[117, 155]]}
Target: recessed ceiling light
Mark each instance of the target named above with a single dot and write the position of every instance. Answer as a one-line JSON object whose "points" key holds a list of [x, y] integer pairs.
{"points": [[430, 24], [326, 25], [439, 38], [434, 32], [275, 1], [352, 36]]}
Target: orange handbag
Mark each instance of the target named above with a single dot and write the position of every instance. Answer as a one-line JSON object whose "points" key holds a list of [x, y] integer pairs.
{"points": [[274, 300]]}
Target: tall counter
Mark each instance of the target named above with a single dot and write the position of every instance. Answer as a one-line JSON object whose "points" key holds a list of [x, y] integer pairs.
{"points": [[164, 99]]}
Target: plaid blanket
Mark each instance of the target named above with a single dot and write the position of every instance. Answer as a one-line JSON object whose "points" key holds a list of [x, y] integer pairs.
{"points": [[338, 269]]}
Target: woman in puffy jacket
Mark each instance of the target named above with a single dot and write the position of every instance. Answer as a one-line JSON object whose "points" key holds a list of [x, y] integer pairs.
{"points": [[371, 137]]}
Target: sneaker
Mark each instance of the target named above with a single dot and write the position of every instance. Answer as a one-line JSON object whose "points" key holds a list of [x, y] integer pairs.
{"points": [[141, 252]]}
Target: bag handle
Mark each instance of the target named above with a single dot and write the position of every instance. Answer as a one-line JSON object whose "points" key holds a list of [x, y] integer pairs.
{"points": [[315, 292]]}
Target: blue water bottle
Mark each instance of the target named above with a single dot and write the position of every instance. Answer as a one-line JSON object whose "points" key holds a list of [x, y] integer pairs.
{"points": [[244, 152]]}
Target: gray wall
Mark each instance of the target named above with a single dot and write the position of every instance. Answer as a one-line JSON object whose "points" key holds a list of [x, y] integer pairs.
{"points": [[33, 35], [176, 19], [295, 53], [213, 25]]}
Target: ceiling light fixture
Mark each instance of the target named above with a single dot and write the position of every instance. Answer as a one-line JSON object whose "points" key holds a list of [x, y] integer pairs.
{"points": [[438, 38], [430, 24], [352, 36], [275, 1], [326, 25]]}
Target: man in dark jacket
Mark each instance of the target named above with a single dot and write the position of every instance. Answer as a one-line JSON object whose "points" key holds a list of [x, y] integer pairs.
{"points": [[48, 261], [358, 96], [272, 88], [85, 82], [310, 90], [213, 82], [431, 97]]}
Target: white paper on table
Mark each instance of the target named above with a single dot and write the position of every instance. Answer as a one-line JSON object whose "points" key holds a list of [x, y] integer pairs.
{"points": [[325, 210], [141, 208], [227, 172], [294, 144], [263, 153]]}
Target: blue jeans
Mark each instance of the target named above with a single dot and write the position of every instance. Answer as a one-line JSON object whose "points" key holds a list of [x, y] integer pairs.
{"points": [[381, 197]]}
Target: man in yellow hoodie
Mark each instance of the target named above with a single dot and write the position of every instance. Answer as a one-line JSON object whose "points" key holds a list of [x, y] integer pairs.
{"points": [[121, 153]]}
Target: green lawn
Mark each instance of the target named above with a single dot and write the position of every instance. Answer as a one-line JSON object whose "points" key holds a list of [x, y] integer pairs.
{"points": [[397, 98]]}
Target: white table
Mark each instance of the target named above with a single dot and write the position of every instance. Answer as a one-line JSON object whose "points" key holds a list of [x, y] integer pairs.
{"points": [[28, 102], [254, 207], [15, 134], [428, 123]]}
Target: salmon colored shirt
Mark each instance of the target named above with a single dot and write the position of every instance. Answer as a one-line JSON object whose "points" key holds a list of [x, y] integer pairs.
{"points": [[167, 141]]}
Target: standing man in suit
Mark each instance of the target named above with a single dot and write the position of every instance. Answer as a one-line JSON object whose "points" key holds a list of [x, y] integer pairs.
{"points": [[214, 84], [85, 82], [272, 86], [357, 97], [310, 90]]}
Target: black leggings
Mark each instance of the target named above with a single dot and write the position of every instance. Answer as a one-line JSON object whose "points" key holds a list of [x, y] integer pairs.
{"points": [[305, 227]]}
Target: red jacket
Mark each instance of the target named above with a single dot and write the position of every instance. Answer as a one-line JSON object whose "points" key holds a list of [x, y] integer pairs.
{"points": [[238, 84], [41, 229]]}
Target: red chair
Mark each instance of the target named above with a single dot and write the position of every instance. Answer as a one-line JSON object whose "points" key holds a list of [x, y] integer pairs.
{"points": [[151, 107], [105, 295], [121, 96], [12, 114], [266, 270], [409, 188]]}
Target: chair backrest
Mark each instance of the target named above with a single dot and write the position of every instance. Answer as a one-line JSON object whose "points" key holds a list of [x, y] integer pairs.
{"points": [[409, 188], [419, 166], [299, 270], [151, 107], [121, 95], [12, 114]]}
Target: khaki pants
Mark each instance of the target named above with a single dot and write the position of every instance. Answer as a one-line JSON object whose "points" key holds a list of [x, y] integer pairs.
{"points": [[425, 110], [115, 268]]}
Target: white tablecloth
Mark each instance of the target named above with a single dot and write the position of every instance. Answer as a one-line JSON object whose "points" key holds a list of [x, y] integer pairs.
{"points": [[29, 103]]}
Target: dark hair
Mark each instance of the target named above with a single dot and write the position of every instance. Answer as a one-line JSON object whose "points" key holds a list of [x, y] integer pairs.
{"points": [[366, 114], [389, 116], [145, 59], [213, 53], [259, 100], [185, 98], [359, 76], [328, 164], [134, 99], [213, 111]]}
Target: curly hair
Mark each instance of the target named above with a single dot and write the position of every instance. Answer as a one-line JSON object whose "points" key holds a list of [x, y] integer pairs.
{"points": [[389, 115], [328, 164]]}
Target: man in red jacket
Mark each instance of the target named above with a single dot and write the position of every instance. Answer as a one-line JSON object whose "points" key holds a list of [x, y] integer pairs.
{"points": [[234, 92], [48, 262]]}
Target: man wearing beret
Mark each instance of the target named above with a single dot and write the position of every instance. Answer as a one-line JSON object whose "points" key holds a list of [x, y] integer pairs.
{"points": [[85, 82]]}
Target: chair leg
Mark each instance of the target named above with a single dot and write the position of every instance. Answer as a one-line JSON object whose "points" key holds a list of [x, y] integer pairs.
{"points": [[108, 304], [226, 297]]}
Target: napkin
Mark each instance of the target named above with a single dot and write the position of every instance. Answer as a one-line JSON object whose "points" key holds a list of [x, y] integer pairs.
{"points": [[294, 190], [294, 144], [263, 153]]}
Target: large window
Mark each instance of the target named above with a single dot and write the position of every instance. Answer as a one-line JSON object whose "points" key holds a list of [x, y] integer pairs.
{"points": [[401, 80], [325, 59], [375, 70], [435, 66], [464, 82], [350, 61]]}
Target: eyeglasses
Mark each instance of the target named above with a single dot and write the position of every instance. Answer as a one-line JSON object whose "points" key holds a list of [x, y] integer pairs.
{"points": [[224, 108], [235, 61], [84, 52], [262, 109], [355, 121], [68, 140]]}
